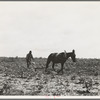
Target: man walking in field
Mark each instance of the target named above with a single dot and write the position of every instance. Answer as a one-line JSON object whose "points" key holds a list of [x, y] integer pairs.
{"points": [[29, 58]]}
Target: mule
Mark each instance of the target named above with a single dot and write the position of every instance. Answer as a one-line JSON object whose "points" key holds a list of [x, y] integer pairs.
{"points": [[60, 58]]}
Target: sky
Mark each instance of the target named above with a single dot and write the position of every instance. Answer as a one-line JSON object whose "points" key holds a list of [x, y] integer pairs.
{"points": [[50, 26]]}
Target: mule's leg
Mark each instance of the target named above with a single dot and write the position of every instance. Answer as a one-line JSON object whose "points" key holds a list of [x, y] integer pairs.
{"points": [[62, 64], [47, 65], [53, 66]]}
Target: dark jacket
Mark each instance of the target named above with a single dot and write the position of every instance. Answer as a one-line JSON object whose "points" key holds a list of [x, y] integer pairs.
{"points": [[29, 57]]}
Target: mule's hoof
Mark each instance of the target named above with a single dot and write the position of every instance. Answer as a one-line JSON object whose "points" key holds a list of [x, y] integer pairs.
{"points": [[45, 70], [35, 69], [59, 72], [54, 70]]}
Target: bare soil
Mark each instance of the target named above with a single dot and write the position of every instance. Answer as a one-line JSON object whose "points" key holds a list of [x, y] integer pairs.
{"points": [[79, 79]]}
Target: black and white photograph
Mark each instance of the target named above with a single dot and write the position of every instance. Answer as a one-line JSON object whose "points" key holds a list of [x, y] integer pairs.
{"points": [[50, 48]]}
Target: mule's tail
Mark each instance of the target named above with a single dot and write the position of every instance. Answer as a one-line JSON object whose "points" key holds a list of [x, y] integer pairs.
{"points": [[48, 61]]}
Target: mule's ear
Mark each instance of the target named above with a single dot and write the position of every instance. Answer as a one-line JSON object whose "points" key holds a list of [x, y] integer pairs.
{"points": [[73, 51], [64, 50]]}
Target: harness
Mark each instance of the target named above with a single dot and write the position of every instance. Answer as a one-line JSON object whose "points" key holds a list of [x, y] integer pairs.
{"points": [[65, 54]]}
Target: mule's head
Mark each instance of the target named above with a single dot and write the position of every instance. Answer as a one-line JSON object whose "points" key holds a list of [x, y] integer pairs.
{"points": [[30, 51], [73, 56]]}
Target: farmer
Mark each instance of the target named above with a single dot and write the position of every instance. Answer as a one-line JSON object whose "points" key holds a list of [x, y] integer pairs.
{"points": [[29, 58]]}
